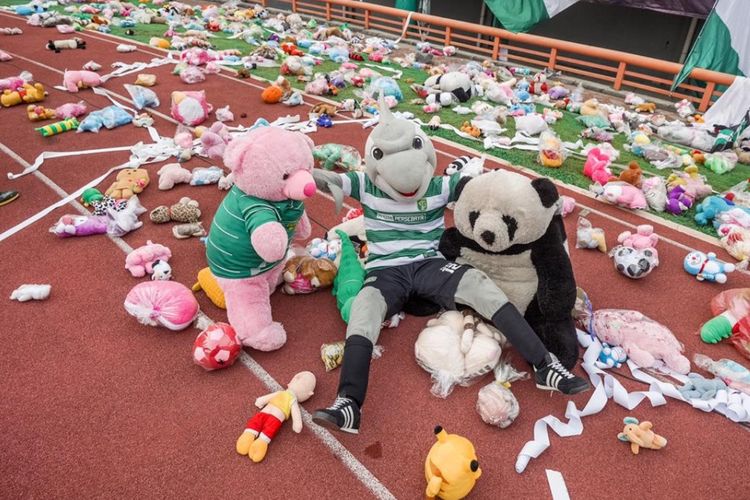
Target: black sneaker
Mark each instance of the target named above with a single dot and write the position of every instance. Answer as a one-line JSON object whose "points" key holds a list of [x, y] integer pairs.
{"points": [[555, 377], [342, 415], [7, 196]]}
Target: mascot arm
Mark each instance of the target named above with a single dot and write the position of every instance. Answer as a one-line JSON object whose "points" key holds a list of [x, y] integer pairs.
{"points": [[556, 291], [304, 229], [330, 182]]}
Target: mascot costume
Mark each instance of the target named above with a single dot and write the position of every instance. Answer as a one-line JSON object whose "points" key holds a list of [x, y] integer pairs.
{"points": [[404, 206]]}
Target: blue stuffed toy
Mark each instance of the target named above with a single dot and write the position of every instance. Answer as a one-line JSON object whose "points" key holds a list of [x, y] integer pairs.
{"points": [[709, 208], [707, 267], [611, 357], [701, 388]]}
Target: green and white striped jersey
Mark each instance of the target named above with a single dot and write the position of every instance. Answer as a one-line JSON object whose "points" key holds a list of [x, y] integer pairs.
{"points": [[401, 232]]}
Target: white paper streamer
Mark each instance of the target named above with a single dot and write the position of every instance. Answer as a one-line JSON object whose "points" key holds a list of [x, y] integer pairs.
{"points": [[557, 485], [733, 404]]}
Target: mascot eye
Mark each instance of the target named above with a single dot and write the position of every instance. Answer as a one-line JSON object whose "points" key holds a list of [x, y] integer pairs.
{"points": [[417, 143], [285, 176], [377, 153]]}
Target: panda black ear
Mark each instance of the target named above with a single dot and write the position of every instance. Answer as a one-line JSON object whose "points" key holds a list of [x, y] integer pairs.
{"points": [[547, 191], [460, 186]]}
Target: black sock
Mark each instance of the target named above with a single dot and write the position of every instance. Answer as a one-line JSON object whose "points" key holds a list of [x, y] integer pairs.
{"points": [[512, 324], [355, 369]]}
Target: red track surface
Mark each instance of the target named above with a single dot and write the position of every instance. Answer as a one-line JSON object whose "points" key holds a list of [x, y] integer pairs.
{"points": [[97, 405]]}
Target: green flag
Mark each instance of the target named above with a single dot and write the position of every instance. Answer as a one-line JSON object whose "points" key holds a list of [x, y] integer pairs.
{"points": [[724, 42], [522, 15]]}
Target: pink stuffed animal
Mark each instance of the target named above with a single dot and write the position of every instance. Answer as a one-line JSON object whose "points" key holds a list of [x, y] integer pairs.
{"points": [[73, 80], [141, 260], [12, 83], [171, 174], [625, 195], [597, 167], [643, 238], [255, 224], [645, 341], [215, 140], [190, 107]]}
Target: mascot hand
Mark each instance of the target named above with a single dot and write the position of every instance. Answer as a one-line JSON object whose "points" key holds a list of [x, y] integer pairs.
{"points": [[330, 182]]}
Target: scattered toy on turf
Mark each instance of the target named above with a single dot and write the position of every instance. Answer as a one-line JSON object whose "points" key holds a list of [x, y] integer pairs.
{"points": [[640, 435], [145, 80], [25, 293], [39, 113], [216, 347], [496, 404], [27, 93], [190, 107], [467, 165], [71, 43], [304, 274], [79, 225], [161, 271], [588, 236], [141, 260], [643, 238], [451, 468], [130, 181], [621, 194], [162, 303], [634, 263], [633, 174], [732, 373], [647, 343], [188, 230], [75, 80], [185, 210], [698, 387], [58, 127], [207, 282], [70, 110], [706, 267], [597, 166], [172, 174], [275, 408], [711, 206], [611, 357], [203, 176]]}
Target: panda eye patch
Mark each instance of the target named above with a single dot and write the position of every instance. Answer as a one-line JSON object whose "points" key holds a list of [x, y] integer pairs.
{"points": [[473, 216], [512, 226]]}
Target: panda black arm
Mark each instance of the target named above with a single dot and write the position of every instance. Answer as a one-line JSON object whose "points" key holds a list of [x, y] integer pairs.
{"points": [[450, 243], [556, 290]]}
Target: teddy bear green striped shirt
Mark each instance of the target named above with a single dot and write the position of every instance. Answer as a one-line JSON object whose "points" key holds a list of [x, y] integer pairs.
{"points": [[401, 232], [229, 250]]}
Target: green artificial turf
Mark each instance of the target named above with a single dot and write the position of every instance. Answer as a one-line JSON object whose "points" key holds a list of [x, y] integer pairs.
{"points": [[568, 128]]}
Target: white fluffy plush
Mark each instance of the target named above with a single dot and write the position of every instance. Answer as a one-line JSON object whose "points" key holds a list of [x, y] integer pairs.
{"points": [[455, 82], [31, 292]]}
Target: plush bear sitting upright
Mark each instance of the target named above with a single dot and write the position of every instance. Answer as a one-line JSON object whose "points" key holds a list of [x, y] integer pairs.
{"points": [[255, 224], [509, 226]]}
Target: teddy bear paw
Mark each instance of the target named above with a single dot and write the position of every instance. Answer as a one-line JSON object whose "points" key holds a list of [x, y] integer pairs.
{"points": [[270, 338]]}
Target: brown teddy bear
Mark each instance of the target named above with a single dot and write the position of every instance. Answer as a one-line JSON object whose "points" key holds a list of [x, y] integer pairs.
{"points": [[129, 181], [324, 109], [633, 174], [646, 107], [186, 210], [305, 274]]}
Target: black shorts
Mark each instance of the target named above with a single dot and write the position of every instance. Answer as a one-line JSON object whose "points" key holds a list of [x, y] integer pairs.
{"points": [[432, 280]]}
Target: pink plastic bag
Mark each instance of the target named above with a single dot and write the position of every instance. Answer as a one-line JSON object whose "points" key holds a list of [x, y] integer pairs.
{"points": [[737, 302], [162, 303]]}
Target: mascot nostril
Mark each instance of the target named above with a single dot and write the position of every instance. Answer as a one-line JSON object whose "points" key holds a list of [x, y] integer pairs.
{"points": [[488, 237]]}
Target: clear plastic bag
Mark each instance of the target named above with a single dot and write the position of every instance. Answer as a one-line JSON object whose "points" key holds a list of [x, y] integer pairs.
{"points": [[731, 309], [143, 97], [732, 373], [456, 349], [496, 404], [331, 156], [551, 150]]}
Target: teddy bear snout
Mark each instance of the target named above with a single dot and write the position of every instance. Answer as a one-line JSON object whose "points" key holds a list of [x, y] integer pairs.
{"points": [[299, 186]]}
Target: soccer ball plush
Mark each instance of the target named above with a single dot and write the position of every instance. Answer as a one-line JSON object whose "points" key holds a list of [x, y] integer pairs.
{"points": [[216, 347]]}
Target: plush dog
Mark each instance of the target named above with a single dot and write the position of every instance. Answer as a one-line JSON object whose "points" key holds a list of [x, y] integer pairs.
{"points": [[305, 274], [74, 80]]}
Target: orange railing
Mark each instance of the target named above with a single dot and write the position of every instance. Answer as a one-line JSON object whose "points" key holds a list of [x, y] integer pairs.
{"points": [[615, 68]]}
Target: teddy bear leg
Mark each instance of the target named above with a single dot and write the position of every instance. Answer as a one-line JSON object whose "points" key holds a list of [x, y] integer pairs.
{"points": [[249, 313]]}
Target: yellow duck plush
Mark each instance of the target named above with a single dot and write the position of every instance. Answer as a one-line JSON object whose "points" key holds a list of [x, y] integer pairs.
{"points": [[451, 468]]}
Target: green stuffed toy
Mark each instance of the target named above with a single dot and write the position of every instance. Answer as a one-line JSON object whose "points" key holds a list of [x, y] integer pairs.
{"points": [[350, 278]]}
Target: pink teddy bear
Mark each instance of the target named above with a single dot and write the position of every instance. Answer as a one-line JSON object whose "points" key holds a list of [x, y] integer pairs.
{"points": [[644, 340], [73, 80], [625, 195], [255, 224]]}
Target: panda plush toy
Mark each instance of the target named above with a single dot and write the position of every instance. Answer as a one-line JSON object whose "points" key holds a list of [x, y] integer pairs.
{"points": [[454, 82], [510, 227]]}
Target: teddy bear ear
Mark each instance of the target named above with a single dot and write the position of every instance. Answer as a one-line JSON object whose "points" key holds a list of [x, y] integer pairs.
{"points": [[630, 420], [547, 191], [460, 186]]}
